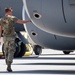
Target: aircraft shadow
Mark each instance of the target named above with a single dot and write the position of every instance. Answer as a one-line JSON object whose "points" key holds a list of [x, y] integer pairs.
{"points": [[43, 72], [70, 72], [55, 54], [47, 58], [70, 64]]}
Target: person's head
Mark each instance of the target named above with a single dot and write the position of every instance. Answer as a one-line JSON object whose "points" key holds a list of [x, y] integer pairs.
{"points": [[8, 11]]}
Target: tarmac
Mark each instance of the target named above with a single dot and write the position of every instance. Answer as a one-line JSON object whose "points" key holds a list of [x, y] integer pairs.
{"points": [[50, 62]]}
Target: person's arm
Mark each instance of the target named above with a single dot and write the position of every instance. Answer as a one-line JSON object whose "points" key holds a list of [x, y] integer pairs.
{"points": [[23, 21]]}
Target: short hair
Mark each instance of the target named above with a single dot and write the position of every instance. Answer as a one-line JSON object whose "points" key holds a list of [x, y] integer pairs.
{"points": [[8, 9]]}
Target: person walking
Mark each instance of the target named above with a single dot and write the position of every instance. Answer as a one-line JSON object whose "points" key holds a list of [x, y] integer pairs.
{"points": [[7, 25]]}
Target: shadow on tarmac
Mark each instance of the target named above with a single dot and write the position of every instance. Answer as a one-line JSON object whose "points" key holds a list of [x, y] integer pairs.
{"points": [[47, 58], [68, 64], [43, 72], [70, 72]]}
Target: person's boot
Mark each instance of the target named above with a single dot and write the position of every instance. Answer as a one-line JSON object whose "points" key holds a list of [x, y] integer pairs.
{"points": [[9, 67]]}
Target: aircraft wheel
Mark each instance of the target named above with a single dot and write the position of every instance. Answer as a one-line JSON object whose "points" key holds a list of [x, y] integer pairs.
{"points": [[66, 52], [20, 48], [18, 43], [37, 50], [23, 50]]}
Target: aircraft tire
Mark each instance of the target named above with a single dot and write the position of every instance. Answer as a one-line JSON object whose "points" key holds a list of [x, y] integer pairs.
{"points": [[37, 50], [17, 40], [23, 50], [66, 52], [20, 48]]}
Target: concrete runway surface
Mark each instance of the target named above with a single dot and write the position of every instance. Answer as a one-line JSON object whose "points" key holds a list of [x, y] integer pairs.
{"points": [[49, 63]]}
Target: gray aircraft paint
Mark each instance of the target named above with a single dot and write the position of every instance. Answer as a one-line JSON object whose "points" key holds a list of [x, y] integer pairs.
{"points": [[42, 38], [57, 16], [17, 10], [47, 40]]}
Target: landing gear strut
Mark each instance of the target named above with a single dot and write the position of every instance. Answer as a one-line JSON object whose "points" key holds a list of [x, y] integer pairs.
{"points": [[37, 50]]}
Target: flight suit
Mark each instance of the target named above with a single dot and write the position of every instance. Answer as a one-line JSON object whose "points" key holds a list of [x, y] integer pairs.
{"points": [[7, 23]]}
